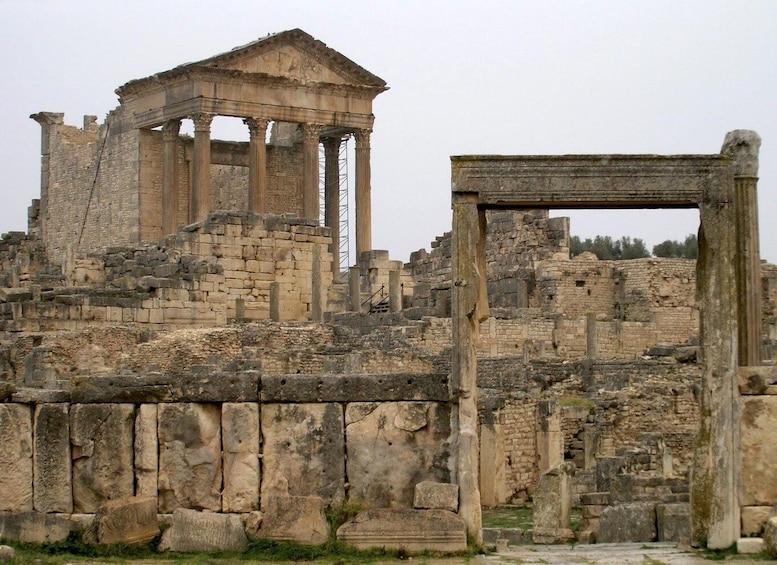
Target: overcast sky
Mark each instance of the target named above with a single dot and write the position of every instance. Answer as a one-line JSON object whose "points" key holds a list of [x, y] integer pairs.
{"points": [[486, 77]]}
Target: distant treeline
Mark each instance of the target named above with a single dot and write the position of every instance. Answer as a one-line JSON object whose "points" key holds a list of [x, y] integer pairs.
{"points": [[607, 248]]}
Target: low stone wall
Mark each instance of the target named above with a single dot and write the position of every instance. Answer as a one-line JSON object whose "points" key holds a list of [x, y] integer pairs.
{"points": [[226, 444]]}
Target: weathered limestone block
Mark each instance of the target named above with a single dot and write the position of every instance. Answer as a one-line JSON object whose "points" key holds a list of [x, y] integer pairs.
{"points": [[294, 518], [146, 451], [409, 530], [754, 518], [102, 448], [758, 422], [189, 457], [240, 439], [303, 450], [354, 388], [674, 521], [15, 294], [52, 477], [552, 506], [770, 537], [34, 527], [436, 496], [7, 553], [127, 520], [626, 523], [750, 546], [394, 445], [192, 531], [16, 458]]}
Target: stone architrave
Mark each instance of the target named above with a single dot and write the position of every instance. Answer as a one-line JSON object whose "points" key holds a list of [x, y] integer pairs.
{"points": [[190, 471], [16, 458], [294, 518], [394, 445], [303, 451], [240, 439], [407, 530], [128, 520], [758, 422], [52, 476], [192, 531], [102, 449], [146, 451]]}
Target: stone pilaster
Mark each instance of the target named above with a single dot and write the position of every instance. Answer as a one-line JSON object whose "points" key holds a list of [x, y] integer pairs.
{"points": [[200, 197], [742, 146], [257, 164], [310, 136], [170, 133], [332, 197], [363, 193]]}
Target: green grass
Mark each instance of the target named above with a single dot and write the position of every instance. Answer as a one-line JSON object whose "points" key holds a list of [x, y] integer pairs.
{"points": [[519, 517]]}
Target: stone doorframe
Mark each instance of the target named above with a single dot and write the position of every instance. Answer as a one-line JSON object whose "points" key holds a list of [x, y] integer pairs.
{"points": [[723, 188]]}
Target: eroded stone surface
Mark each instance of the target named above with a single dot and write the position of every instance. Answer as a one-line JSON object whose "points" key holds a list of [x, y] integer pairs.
{"points": [[303, 444], [127, 520], [102, 448], [146, 451], [192, 531], [770, 537], [673, 522], [410, 530], [16, 458], [393, 446], [436, 496], [754, 518], [294, 518], [552, 506], [34, 527], [240, 438], [759, 451], [52, 478], [189, 457], [628, 523]]}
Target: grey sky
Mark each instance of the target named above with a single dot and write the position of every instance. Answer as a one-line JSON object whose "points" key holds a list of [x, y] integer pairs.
{"points": [[486, 77]]}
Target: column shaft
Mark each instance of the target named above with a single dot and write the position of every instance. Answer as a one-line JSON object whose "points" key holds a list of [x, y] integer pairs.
{"points": [[257, 164], [332, 197], [363, 196], [170, 177], [200, 197], [310, 206]]}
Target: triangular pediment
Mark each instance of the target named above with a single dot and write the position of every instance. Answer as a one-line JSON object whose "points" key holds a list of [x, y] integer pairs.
{"points": [[295, 55]]}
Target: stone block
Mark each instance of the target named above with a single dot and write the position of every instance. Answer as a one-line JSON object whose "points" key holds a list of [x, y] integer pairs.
{"points": [[355, 388], [394, 445], [15, 294], [552, 505], [436, 496], [303, 450], [770, 537], [7, 554], [407, 530], [750, 546], [52, 476], [552, 536], [242, 386], [192, 531], [673, 522], [190, 471], [635, 522], [294, 518], [34, 527], [754, 518], [101, 436], [146, 451], [758, 482], [240, 441], [16, 458], [128, 520]]}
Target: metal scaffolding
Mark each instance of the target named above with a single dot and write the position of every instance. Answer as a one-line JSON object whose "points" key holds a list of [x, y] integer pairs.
{"points": [[343, 215]]}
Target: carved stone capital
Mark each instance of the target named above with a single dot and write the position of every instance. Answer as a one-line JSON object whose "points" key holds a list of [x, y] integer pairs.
{"points": [[202, 121], [311, 132], [742, 146], [332, 143], [362, 138], [171, 129], [257, 127]]}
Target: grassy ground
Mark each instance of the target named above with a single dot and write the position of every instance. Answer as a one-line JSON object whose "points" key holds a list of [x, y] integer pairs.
{"points": [[518, 517]]}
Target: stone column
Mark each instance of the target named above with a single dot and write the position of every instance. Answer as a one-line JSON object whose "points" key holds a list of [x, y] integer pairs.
{"points": [[332, 197], [395, 291], [469, 309], [354, 296], [257, 164], [742, 146], [200, 198], [170, 176], [363, 190], [310, 136], [550, 438]]}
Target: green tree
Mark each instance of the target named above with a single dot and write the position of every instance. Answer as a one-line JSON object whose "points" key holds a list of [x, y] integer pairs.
{"points": [[686, 249], [608, 249]]}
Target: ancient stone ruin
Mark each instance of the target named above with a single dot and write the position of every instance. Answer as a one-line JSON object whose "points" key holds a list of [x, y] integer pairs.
{"points": [[180, 344]]}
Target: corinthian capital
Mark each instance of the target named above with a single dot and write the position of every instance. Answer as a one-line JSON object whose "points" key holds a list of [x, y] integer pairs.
{"points": [[202, 121], [311, 132], [362, 138], [171, 129], [257, 127]]}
